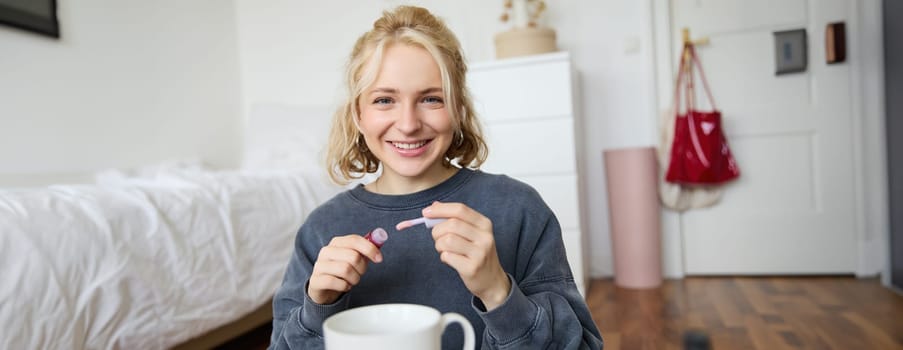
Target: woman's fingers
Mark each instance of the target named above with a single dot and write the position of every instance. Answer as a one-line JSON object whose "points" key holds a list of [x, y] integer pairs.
{"points": [[342, 270], [339, 267], [460, 212], [328, 282], [466, 243], [464, 266], [347, 256], [359, 244], [452, 243]]}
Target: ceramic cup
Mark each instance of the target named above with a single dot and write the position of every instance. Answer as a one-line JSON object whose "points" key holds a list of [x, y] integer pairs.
{"points": [[392, 327]]}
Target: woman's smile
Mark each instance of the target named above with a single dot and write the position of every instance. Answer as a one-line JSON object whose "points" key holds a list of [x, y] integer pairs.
{"points": [[410, 148]]}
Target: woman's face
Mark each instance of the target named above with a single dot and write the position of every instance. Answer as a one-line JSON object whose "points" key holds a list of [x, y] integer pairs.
{"points": [[403, 116]]}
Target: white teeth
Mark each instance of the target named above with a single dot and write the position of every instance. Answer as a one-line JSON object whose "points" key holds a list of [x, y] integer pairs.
{"points": [[409, 145]]}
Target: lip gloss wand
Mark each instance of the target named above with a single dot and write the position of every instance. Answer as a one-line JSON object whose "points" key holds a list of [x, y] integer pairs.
{"points": [[428, 222]]}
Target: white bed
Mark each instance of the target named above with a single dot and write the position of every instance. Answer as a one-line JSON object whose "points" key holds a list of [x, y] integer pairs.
{"points": [[148, 261]]}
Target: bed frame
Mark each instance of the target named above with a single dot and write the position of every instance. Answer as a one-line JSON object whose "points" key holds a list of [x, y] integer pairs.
{"points": [[218, 336]]}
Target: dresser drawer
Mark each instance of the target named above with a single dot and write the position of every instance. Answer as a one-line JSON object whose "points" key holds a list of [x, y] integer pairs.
{"points": [[560, 193], [532, 147], [522, 92]]}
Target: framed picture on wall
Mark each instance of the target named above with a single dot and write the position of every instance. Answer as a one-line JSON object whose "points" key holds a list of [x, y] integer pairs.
{"points": [[37, 16]]}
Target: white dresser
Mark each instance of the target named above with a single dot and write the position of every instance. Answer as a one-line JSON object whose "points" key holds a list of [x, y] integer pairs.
{"points": [[527, 106]]}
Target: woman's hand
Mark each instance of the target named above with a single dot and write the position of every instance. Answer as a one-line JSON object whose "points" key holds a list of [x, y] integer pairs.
{"points": [[466, 243], [339, 267]]}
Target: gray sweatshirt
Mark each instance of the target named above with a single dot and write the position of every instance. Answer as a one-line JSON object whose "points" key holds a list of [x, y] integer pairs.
{"points": [[543, 311]]}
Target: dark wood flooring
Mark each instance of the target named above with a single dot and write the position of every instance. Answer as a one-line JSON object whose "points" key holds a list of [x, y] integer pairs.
{"points": [[751, 313], [735, 313]]}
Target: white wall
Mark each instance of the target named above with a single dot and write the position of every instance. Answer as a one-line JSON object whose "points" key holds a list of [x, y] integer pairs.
{"points": [[133, 83], [293, 52], [129, 83]]}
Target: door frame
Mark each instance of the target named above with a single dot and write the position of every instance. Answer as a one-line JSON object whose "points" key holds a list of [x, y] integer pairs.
{"points": [[868, 136]]}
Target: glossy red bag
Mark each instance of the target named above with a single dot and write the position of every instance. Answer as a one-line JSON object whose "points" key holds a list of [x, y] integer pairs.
{"points": [[700, 154]]}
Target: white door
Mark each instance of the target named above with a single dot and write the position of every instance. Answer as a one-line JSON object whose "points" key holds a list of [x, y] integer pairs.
{"points": [[793, 209]]}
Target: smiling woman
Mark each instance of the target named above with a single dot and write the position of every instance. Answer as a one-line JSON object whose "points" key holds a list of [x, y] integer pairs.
{"points": [[373, 69], [494, 253], [34, 15], [405, 122]]}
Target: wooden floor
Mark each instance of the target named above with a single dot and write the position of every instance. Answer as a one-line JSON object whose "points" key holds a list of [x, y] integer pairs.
{"points": [[736, 313], [751, 313]]}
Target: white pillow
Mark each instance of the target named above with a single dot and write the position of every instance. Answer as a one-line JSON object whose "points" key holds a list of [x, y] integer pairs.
{"points": [[150, 172], [287, 137]]}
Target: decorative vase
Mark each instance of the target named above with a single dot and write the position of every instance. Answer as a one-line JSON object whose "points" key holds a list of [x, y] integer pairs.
{"points": [[524, 41]]}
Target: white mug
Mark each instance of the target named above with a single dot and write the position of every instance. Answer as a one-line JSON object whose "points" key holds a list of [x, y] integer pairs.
{"points": [[392, 326]]}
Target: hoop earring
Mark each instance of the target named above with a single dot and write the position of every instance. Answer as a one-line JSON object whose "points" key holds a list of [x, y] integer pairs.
{"points": [[361, 144], [460, 138]]}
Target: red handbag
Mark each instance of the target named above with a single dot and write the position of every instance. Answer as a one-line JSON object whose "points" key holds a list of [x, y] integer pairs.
{"points": [[700, 154]]}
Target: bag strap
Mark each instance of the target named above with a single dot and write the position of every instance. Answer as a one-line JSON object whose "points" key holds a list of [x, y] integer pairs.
{"points": [[680, 75], [705, 82], [689, 53]]}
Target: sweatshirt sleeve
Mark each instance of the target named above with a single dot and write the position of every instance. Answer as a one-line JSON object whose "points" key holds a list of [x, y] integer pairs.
{"points": [[544, 309], [298, 320]]}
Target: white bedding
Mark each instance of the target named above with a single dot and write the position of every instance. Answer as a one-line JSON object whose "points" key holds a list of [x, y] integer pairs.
{"points": [[145, 263]]}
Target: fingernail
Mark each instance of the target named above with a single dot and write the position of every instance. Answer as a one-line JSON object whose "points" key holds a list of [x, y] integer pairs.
{"points": [[379, 258]]}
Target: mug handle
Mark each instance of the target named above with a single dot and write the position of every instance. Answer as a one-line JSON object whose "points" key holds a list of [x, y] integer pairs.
{"points": [[451, 317]]}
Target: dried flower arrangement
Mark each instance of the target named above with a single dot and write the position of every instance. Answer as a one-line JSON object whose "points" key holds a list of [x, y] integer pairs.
{"points": [[527, 34], [529, 10]]}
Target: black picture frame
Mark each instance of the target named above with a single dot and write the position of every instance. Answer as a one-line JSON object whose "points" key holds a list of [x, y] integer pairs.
{"points": [[44, 22]]}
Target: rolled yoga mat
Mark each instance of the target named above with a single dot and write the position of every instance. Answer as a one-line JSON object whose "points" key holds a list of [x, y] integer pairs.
{"points": [[634, 213]]}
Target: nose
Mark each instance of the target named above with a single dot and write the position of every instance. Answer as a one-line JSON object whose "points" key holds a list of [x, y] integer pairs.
{"points": [[409, 120]]}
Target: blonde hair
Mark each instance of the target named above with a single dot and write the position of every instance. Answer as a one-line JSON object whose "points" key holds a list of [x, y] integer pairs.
{"points": [[347, 155]]}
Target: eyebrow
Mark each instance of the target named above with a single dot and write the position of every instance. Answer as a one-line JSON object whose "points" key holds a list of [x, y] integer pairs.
{"points": [[395, 91]]}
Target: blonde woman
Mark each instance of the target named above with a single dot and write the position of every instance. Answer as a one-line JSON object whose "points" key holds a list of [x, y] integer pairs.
{"points": [[498, 258]]}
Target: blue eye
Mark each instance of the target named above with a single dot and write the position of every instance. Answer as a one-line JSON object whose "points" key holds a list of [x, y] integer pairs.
{"points": [[432, 99], [382, 101]]}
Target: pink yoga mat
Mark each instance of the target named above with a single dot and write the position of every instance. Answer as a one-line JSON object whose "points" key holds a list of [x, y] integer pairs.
{"points": [[632, 180]]}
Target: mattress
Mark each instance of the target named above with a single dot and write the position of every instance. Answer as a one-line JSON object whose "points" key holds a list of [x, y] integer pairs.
{"points": [[145, 262]]}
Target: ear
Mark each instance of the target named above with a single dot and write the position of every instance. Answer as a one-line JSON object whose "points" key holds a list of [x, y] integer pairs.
{"points": [[356, 117]]}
